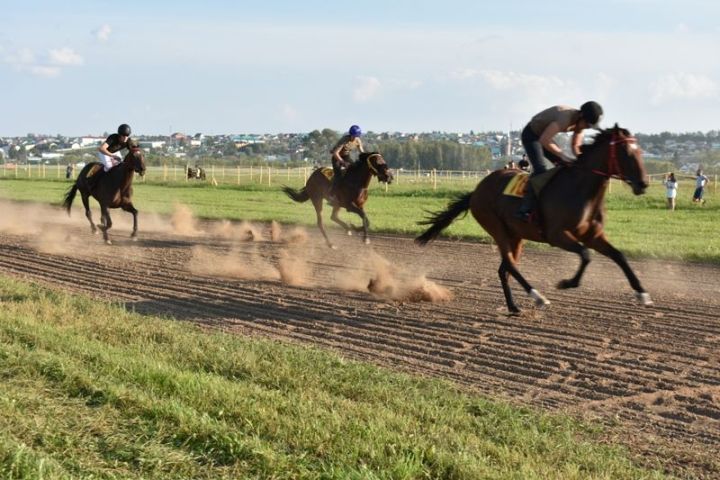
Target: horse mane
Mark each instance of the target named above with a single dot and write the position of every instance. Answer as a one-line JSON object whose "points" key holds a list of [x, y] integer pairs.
{"points": [[360, 161], [601, 138]]}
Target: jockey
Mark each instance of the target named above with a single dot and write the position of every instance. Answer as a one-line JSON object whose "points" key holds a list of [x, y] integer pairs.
{"points": [[538, 140], [341, 154], [107, 153]]}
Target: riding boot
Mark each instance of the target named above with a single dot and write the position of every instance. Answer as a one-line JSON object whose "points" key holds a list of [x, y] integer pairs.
{"points": [[528, 204]]}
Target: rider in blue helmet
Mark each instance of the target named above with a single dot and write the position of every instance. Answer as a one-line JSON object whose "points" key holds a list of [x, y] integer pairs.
{"points": [[341, 154]]}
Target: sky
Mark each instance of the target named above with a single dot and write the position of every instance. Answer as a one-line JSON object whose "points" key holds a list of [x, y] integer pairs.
{"points": [[81, 67]]}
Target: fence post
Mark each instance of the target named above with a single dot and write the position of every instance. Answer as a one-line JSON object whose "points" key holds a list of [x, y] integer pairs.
{"points": [[434, 180], [164, 172], [251, 173], [222, 173], [269, 172], [238, 174], [305, 176]]}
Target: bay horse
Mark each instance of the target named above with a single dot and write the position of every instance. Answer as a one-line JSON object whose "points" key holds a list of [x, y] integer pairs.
{"points": [[571, 208], [112, 190], [351, 191]]}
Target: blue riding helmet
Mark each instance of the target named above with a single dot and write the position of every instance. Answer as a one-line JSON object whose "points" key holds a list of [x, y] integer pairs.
{"points": [[355, 131]]}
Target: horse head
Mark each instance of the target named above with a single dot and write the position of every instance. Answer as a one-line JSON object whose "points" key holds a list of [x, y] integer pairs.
{"points": [[622, 160], [135, 158], [377, 165]]}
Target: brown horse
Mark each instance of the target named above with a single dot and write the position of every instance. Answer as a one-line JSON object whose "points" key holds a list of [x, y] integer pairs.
{"points": [[352, 191], [112, 190], [572, 209]]}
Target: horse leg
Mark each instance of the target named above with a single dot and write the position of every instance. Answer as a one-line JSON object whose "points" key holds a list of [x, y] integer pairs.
{"points": [[107, 223], [366, 222], [568, 243], [317, 203], [129, 207], [601, 244], [334, 217], [86, 203], [510, 250]]}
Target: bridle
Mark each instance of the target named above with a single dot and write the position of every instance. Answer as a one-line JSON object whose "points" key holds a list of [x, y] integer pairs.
{"points": [[134, 151], [613, 170], [370, 165]]}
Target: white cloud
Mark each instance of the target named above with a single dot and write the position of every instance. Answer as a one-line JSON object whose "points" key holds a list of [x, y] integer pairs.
{"points": [[685, 86], [44, 71], [510, 80], [23, 56], [366, 88], [64, 57], [102, 34]]}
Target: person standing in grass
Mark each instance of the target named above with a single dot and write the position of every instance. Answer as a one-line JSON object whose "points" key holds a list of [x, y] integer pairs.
{"points": [[671, 186], [700, 182]]}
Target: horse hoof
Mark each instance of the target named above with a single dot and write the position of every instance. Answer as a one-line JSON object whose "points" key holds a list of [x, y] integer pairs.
{"points": [[565, 284], [134, 238], [333, 247], [367, 241], [540, 300], [349, 233], [644, 299], [95, 232], [108, 242]]}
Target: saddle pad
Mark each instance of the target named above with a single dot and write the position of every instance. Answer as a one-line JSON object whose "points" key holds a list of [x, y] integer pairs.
{"points": [[95, 168], [328, 172], [516, 186]]}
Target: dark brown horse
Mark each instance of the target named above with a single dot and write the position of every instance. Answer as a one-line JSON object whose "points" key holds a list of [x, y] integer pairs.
{"points": [[352, 191], [572, 209], [112, 190]]}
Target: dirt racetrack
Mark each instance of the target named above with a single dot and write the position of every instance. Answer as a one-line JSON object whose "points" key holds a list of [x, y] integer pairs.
{"points": [[651, 374]]}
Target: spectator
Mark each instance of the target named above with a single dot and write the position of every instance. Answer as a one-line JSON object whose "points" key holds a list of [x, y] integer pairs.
{"points": [[671, 186], [700, 182], [69, 171], [524, 164], [510, 165]]}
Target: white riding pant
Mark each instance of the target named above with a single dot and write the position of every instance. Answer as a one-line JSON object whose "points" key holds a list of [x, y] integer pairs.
{"points": [[107, 161]]}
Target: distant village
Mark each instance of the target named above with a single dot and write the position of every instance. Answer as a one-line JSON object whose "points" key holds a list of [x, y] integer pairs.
{"points": [[686, 152]]}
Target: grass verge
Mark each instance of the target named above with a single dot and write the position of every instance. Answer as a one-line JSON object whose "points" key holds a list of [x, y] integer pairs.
{"points": [[91, 390]]}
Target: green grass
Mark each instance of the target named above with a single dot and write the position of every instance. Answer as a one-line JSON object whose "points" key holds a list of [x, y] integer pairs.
{"points": [[640, 226], [90, 390]]}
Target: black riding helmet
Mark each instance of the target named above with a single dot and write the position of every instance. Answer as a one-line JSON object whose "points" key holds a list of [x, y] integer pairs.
{"points": [[591, 113], [124, 129]]}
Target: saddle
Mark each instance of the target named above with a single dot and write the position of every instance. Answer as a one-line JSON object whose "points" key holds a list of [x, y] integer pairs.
{"points": [[518, 184]]}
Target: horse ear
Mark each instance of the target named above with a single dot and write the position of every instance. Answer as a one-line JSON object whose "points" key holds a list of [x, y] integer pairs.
{"points": [[616, 127]]}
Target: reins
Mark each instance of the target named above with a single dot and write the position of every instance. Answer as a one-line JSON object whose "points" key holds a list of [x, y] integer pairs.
{"points": [[613, 169]]}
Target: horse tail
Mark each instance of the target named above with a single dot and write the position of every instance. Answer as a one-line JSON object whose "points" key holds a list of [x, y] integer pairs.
{"points": [[297, 195], [69, 197], [441, 220]]}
